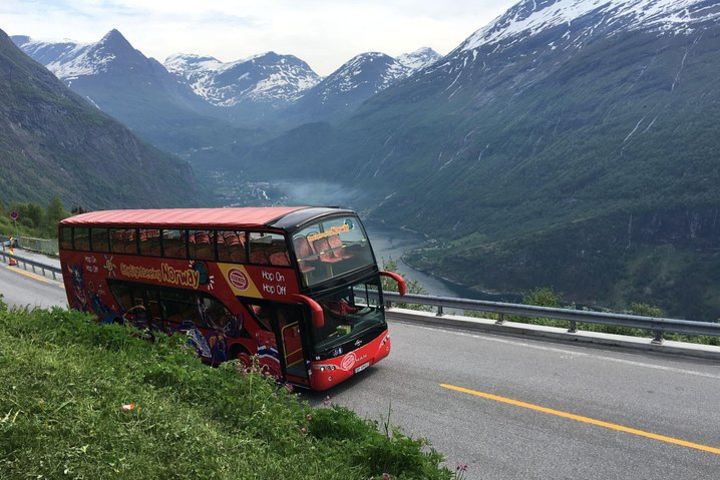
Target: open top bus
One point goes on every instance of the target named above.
(297, 288)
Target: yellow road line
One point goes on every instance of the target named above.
(33, 276)
(579, 418)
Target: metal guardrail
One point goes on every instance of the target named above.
(658, 326)
(39, 245)
(34, 265)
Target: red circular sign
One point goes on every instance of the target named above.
(238, 279)
(348, 361)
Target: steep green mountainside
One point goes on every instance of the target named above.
(139, 92)
(52, 142)
(537, 162)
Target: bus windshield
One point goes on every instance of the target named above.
(349, 312)
(331, 248)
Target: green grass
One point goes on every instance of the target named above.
(64, 380)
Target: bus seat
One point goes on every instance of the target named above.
(258, 256)
(323, 248)
(337, 247)
(302, 247)
(130, 244)
(280, 259)
(202, 238)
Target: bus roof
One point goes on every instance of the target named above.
(184, 217)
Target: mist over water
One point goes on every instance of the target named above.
(317, 193)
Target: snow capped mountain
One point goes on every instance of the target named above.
(372, 71)
(358, 79)
(266, 78)
(419, 59)
(121, 81)
(69, 60)
(582, 17)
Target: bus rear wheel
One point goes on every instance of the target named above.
(242, 355)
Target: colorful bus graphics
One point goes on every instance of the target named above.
(298, 288)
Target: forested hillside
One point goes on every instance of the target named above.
(53, 142)
(571, 144)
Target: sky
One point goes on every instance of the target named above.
(324, 33)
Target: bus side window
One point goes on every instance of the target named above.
(268, 249)
(150, 242)
(66, 238)
(231, 246)
(99, 240)
(174, 243)
(123, 241)
(180, 307)
(82, 238)
(202, 244)
(122, 295)
(117, 242)
(261, 314)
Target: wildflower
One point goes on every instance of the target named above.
(387, 476)
(326, 402)
(308, 417)
(303, 430)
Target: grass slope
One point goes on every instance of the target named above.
(64, 379)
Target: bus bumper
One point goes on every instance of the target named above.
(327, 373)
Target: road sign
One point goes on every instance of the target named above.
(14, 216)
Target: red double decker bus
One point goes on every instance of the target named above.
(297, 287)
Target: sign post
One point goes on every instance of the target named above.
(13, 216)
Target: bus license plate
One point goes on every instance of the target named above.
(362, 367)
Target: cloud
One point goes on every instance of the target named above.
(325, 33)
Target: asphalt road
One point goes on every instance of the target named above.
(21, 288)
(535, 409)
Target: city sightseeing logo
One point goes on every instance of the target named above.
(238, 279)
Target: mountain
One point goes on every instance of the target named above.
(261, 83)
(341, 92)
(419, 59)
(135, 89)
(569, 143)
(53, 142)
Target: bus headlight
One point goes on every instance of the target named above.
(323, 368)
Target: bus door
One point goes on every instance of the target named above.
(289, 325)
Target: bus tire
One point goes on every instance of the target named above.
(240, 353)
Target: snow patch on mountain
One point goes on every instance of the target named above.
(530, 17)
(263, 78)
(419, 59)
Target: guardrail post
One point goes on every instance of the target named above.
(439, 311)
(658, 339)
(501, 319)
(573, 327)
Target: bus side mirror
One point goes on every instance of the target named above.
(318, 316)
(402, 285)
